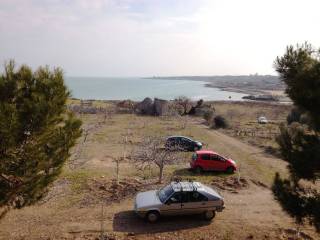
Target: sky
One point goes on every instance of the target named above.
(140, 38)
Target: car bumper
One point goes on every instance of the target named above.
(220, 209)
(138, 212)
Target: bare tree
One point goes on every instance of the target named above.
(151, 152)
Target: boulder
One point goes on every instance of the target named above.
(161, 107)
(145, 107)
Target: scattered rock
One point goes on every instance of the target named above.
(109, 191)
(258, 183)
(230, 184)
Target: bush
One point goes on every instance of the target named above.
(220, 122)
(208, 116)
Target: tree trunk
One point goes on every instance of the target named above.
(160, 173)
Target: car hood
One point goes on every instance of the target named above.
(147, 199)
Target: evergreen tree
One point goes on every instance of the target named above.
(299, 141)
(36, 132)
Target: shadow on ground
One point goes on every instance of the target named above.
(128, 221)
(187, 172)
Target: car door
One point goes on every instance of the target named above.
(172, 206)
(217, 162)
(194, 203)
(205, 162)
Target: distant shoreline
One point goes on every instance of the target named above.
(251, 85)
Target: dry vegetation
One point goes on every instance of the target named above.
(87, 202)
(243, 116)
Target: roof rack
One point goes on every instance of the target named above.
(181, 188)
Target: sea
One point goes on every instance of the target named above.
(107, 88)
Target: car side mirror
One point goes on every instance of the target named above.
(168, 202)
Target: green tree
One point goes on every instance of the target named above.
(36, 132)
(299, 140)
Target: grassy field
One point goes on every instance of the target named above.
(73, 207)
(244, 125)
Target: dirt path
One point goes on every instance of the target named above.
(253, 161)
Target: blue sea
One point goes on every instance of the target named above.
(139, 88)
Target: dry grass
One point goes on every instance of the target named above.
(66, 213)
(244, 126)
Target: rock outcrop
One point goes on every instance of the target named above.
(145, 107)
(161, 107)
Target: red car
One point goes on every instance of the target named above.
(205, 160)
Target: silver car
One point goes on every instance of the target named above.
(179, 198)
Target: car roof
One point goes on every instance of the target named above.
(186, 186)
(206, 152)
(179, 137)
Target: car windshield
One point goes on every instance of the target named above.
(194, 156)
(165, 192)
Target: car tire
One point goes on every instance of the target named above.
(152, 216)
(198, 170)
(209, 215)
(230, 170)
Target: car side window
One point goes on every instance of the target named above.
(217, 158)
(174, 140)
(197, 197)
(184, 141)
(205, 157)
(175, 198)
(184, 197)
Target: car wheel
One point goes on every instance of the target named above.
(198, 170)
(152, 216)
(209, 215)
(230, 170)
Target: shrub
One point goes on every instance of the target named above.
(220, 122)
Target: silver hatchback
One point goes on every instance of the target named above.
(179, 198)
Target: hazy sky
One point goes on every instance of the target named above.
(155, 37)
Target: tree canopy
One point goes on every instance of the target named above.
(299, 140)
(36, 132)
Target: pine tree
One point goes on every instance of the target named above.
(299, 140)
(36, 132)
